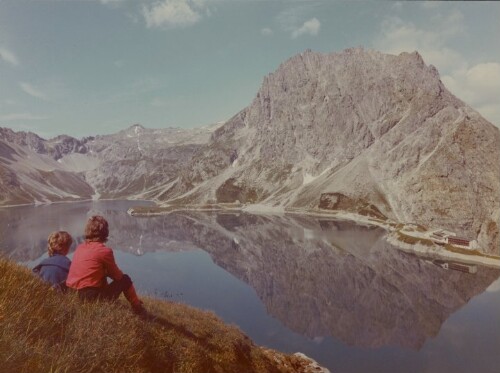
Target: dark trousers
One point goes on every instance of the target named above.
(108, 292)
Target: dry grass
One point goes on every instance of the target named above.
(421, 228)
(414, 240)
(44, 331)
(461, 250)
(341, 202)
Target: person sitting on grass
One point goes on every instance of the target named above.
(93, 262)
(55, 268)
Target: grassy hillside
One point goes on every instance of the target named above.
(44, 331)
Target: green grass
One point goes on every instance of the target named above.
(42, 330)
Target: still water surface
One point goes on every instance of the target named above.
(333, 290)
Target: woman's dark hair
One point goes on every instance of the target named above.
(96, 229)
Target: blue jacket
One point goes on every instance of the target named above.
(54, 270)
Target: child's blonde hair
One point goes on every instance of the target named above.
(59, 243)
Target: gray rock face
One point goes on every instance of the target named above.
(27, 176)
(133, 163)
(63, 145)
(57, 147)
(140, 162)
(379, 129)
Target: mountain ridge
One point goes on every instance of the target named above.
(371, 128)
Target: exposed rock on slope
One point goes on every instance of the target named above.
(57, 147)
(134, 163)
(140, 162)
(29, 177)
(379, 130)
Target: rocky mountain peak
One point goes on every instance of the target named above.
(366, 127)
(22, 138)
(334, 106)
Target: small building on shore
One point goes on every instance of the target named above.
(442, 237)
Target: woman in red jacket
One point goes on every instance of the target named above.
(93, 262)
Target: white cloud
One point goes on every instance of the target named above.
(9, 57)
(310, 27)
(266, 31)
(485, 76)
(32, 91)
(173, 13)
(21, 116)
(479, 86)
(292, 19)
(398, 36)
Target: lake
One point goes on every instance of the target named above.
(334, 290)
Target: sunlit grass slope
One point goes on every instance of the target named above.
(44, 331)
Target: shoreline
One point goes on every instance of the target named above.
(433, 250)
(75, 201)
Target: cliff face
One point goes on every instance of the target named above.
(57, 147)
(27, 176)
(139, 162)
(372, 129)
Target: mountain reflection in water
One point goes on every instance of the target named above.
(318, 276)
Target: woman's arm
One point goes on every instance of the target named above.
(110, 266)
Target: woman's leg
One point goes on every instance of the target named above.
(89, 294)
(113, 290)
(125, 286)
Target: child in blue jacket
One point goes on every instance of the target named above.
(55, 268)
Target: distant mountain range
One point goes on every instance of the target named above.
(358, 130)
(133, 163)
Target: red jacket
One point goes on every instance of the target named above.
(91, 264)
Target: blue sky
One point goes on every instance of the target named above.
(93, 67)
